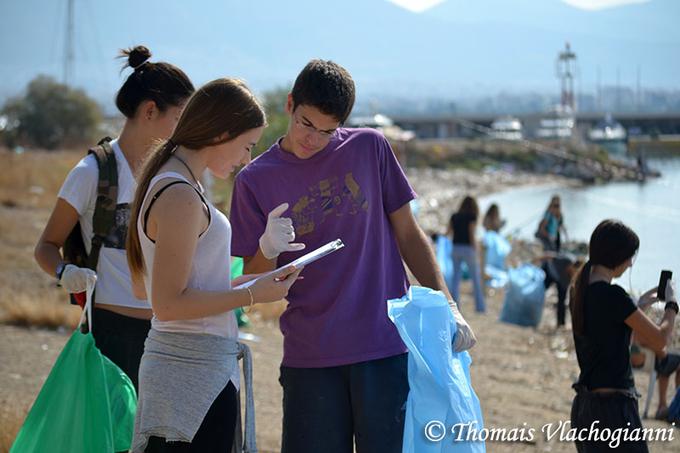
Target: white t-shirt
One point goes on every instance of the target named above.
(114, 286)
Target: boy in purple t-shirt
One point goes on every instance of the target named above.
(344, 371)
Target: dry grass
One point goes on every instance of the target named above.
(34, 178)
(29, 312)
(28, 296)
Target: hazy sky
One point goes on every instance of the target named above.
(418, 6)
(601, 4)
(449, 48)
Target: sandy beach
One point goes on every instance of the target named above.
(522, 376)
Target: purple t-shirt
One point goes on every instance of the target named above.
(337, 314)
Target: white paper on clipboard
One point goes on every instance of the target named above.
(302, 261)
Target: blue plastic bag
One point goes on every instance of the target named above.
(497, 248)
(443, 250)
(524, 296)
(674, 408)
(441, 396)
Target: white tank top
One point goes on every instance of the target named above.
(210, 269)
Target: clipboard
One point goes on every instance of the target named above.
(304, 260)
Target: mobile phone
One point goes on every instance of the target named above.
(663, 281)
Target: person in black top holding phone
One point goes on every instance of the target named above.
(603, 317)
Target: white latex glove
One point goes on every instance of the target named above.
(465, 337)
(279, 234)
(75, 279)
(670, 291)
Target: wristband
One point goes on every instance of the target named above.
(59, 271)
(672, 305)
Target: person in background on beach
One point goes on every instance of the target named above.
(344, 372)
(462, 226)
(551, 226)
(492, 219)
(603, 317)
(179, 254)
(559, 270)
(665, 367)
(492, 243)
(151, 100)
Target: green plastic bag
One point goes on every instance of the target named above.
(237, 271)
(86, 405)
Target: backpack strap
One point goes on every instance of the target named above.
(104, 218)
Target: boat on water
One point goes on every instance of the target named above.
(384, 124)
(607, 130)
(506, 128)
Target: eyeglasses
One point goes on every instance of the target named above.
(325, 135)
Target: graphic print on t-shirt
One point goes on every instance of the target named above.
(116, 240)
(329, 198)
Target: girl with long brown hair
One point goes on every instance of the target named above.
(179, 255)
(463, 225)
(603, 317)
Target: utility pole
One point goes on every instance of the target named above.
(69, 53)
(638, 94)
(618, 89)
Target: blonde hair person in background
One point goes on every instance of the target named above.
(151, 99)
(181, 249)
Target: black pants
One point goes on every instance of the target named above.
(611, 411)
(561, 295)
(328, 409)
(121, 339)
(216, 433)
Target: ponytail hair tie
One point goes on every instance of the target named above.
(136, 68)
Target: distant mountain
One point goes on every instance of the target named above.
(458, 48)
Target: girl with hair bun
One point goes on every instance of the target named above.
(151, 100)
(603, 317)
